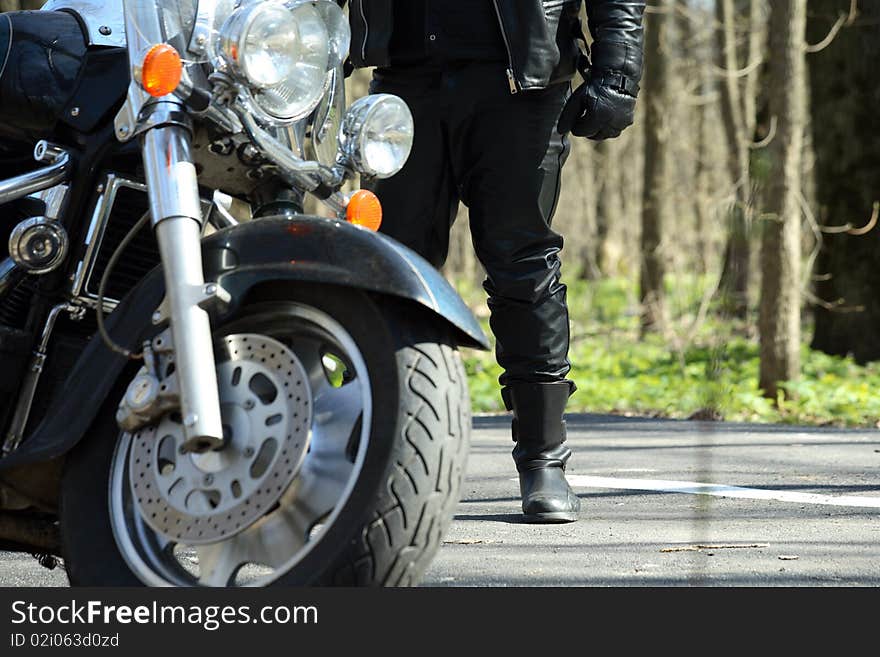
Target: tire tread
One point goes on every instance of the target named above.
(423, 482)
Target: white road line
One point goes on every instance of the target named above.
(720, 490)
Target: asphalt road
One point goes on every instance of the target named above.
(665, 503)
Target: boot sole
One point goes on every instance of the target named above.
(554, 518)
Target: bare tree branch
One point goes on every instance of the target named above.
(839, 305)
(771, 133)
(740, 73)
(817, 234)
(852, 230)
(871, 222)
(842, 20)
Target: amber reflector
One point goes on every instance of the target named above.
(365, 210)
(160, 73)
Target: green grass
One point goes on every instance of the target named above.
(711, 371)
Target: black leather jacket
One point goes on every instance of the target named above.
(544, 38)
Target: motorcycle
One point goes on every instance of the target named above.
(202, 385)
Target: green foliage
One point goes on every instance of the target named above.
(714, 374)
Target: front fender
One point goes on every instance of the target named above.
(335, 252)
(308, 249)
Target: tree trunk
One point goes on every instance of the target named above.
(845, 93)
(608, 210)
(692, 32)
(581, 180)
(779, 320)
(658, 170)
(737, 253)
(756, 36)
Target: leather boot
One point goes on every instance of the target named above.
(540, 454)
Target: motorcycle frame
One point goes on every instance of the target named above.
(285, 250)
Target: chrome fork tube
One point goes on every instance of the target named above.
(177, 219)
(176, 213)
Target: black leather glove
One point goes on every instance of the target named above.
(600, 108)
(604, 105)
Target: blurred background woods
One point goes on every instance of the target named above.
(722, 256)
(12, 5)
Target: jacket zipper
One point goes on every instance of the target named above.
(511, 78)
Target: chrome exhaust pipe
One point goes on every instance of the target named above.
(28, 183)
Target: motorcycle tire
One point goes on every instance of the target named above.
(394, 519)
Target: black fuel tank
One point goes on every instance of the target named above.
(43, 53)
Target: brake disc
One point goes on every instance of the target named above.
(266, 407)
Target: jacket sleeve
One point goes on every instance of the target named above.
(618, 35)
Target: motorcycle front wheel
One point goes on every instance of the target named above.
(357, 489)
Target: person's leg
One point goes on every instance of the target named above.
(508, 158)
(419, 204)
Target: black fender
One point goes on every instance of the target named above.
(306, 249)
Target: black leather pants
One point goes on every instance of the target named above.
(501, 156)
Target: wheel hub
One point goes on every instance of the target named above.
(266, 408)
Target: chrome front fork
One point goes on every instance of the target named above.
(175, 208)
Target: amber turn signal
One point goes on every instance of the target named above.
(161, 70)
(364, 209)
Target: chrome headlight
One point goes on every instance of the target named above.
(338, 29)
(377, 135)
(282, 52)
